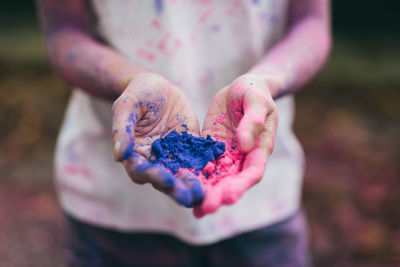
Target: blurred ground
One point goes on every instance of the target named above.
(347, 120)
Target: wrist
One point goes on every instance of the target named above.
(272, 82)
(126, 78)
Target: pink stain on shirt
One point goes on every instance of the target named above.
(204, 16)
(236, 5)
(145, 54)
(205, 2)
(205, 79)
(149, 42)
(77, 171)
(168, 45)
(155, 23)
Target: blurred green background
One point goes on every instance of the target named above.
(348, 120)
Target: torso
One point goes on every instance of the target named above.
(201, 46)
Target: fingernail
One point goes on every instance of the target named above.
(117, 147)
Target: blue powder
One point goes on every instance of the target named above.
(186, 151)
(159, 6)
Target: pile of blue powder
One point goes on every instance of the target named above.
(185, 150)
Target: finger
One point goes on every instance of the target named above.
(142, 171)
(126, 112)
(254, 163)
(197, 212)
(229, 190)
(194, 185)
(253, 170)
(266, 139)
(212, 201)
(255, 110)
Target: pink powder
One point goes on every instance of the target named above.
(230, 163)
(227, 166)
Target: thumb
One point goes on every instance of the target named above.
(126, 113)
(255, 110)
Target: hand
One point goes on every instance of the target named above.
(149, 108)
(242, 114)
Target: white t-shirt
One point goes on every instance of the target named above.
(200, 46)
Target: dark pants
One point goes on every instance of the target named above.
(281, 244)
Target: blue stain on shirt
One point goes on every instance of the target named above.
(215, 28)
(159, 6)
(255, 2)
(186, 151)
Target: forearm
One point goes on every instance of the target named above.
(297, 57)
(86, 63)
(76, 55)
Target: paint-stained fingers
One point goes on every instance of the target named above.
(229, 190)
(197, 212)
(126, 113)
(212, 201)
(253, 170)
(266, 139)
(194, 185)
(254, 163)
(142, 171)
(256, 107)
(224, 193)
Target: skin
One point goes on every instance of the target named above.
(148, 109)
(251, 116)
(248, 101)
(146, 105)
(250, 119)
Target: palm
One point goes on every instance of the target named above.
(149, 108)
(160, 119)
(244, 117)
(221, 120)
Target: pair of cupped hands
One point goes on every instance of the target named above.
(151, 106)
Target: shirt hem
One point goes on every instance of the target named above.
(146, 227)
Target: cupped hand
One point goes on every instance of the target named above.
(149, 108)
(243, 115)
